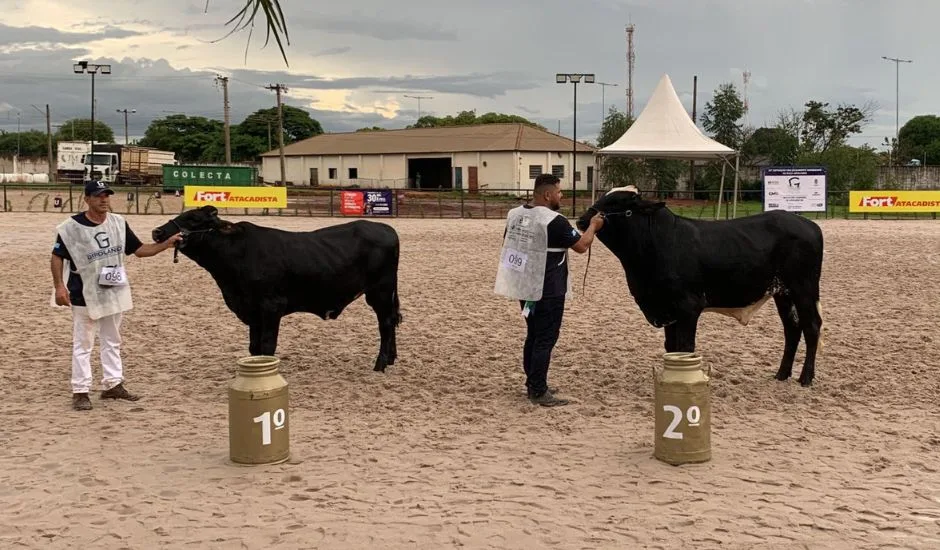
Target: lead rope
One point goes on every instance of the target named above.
(588, 264)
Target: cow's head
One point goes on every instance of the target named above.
(618, 206)
(200, 220)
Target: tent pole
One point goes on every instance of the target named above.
(734, 209)
(721, 189)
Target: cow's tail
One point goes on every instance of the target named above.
(822, 330)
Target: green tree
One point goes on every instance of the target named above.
(617, 171)
(79, 129)
(193, 139)
(372, 129)
(823, 128)
(918, 136)
(470, 118)
(31, 143)
(775, 144)
(721, 116)
(298, 124)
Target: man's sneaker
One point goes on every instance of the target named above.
(119, 392)
(548, 399)
(80, 402)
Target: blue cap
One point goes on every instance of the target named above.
(95, 188)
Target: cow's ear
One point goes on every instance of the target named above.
(211, 210)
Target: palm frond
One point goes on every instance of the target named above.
(274, 23)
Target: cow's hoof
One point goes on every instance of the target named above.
(379, 368)
(782, 377)
(806, 383)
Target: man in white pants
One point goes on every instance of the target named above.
(94, 243)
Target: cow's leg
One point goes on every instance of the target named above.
(263, 331)
(254, 337)
(685, 333)
(383, 303)
(791, 335)
(670, 332)
(811, 323)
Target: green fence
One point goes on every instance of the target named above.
(411, 203)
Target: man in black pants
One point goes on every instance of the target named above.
(539, 235)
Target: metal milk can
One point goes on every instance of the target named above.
(683, 410)
(258, 426)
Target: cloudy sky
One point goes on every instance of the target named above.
(353, 62)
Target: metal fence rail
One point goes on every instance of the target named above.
(411, 203)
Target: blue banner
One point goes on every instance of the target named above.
(377, 203)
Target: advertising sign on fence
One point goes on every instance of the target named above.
(364, 202)
(794, 188)
(894, 201)
(350, 203)
(235, 197)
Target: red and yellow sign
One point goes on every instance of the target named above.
(235, 197)
(894, 201)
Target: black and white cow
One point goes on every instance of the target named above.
(677, 268)
(266, 273)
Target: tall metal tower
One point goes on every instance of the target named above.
(631, 59)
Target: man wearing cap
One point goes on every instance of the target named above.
(94, 243)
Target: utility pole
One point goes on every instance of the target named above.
(225, 108)
(125, 111)
(631, 60)
(419, 98)
(49, 144)
(897, 100)
(692, 162)
(280, 127)
(48, 140)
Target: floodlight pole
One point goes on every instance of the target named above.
(574, 78)
(897, 97)
(92, 69)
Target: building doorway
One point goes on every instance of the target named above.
(430, 173)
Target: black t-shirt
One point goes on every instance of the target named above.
(74, 284)
(561, 234)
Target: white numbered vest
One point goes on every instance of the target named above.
(521, 271)
(98, 256)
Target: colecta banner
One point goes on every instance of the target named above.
(235, 197)
(894, 201)
(361, 202)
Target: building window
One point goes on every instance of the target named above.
(577, 176)
(535, 170)
(332, 173)
(353, 173)
(590, 175)
(558, 170)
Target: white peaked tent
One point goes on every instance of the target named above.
(664, 130)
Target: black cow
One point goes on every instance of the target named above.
(677, 268)
(266, 273)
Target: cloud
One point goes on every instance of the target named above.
(332, 51)
(371, 26)
(33, 35)
(483, 85)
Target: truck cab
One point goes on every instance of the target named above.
(101, 166)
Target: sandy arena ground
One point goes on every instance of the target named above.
(444, 450)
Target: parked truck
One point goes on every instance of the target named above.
(70, 160)
(177, 176)
(127, 164)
